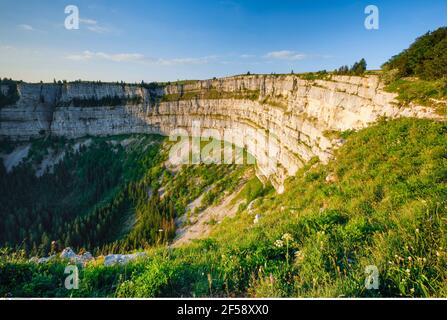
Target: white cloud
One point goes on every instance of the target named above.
(88, 21)
(286, 55)
(175, 61)
(26, 27)
(120, 57)
(94, 26)
(98, 29)
(137, 58)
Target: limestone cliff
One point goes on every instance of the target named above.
(297, 112)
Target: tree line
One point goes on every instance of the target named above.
(426, 58)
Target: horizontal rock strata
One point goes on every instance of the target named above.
(292, 114)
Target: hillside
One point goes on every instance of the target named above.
(384, 206)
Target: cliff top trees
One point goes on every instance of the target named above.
(426, 58)
(357, 69)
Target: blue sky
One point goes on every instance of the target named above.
(165, 40)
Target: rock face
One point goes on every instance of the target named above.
(113, 259)
(287, 113)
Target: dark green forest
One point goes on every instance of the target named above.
(101, 197)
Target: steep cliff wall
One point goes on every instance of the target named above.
(297, 113)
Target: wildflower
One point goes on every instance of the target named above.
(412, 290)
(437, 253)
(408, 271)
(279, 243)
(287, 237)
(417, 230)
(410, 258)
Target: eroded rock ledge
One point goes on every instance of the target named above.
(298, 112)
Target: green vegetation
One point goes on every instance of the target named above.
(102, 196)
(423, 92)
(319, 75)
(212, 94)
(386, 206)
(426, 58)
(77, 203)
(357, 69)
(105, 101)
(161, 85)
(418, 74)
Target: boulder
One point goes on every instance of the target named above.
(68, 254)
(42, 260)
(87, 256)
(113, 259)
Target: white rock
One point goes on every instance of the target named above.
(45, 260)
(42, 260)
(113, 259)
(68, 253)
(87, 256)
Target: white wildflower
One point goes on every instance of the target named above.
(279, 243)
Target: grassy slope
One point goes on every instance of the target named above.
(386, 208)
(431, 93)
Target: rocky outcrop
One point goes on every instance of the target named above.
(120, 259)
(83, 259)
(292, 114)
